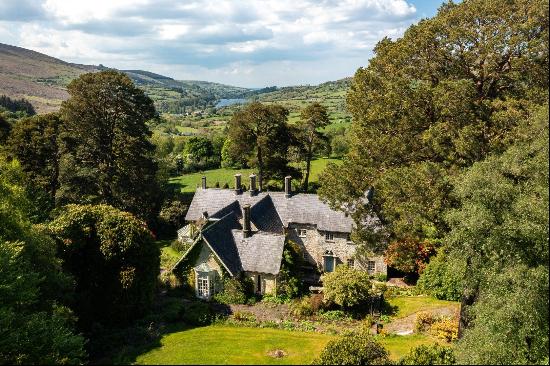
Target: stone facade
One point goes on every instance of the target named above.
(318, 245)
(207, 267)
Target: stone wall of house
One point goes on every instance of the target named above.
(206, 256)
(315, 245)
(269, 282)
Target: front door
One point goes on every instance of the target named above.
(329, 264)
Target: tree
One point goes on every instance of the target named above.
(260, 132)
(470, 82)
(312, 118)
(16, 105)
(346, 286)
(409, 255)
(35, 325)
(34, 142)
(5, 129)
(357, 348)
(113, 258)
(500, 229)
(107, 156)
(433, 354)
(198, 148)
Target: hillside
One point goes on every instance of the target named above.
(37, 77)
(43, 79)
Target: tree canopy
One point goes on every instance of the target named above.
(106, 154)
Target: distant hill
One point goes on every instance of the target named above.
(37, 77)
(43, 79)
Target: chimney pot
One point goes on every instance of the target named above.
(203, 182)
(288, 188)
(252, 184)
(238, 188)
(247, 231)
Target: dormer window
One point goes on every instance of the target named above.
(329, 236)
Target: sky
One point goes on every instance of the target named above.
(252, 43)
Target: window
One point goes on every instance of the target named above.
(203, 287)
(371, 266)
(302, 233)
(351, 263)
(329, 236)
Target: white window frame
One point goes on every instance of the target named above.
(369, 270)
(329, 236)
(302, 233)
(204, 288)
(350, 262)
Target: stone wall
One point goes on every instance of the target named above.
(315, 245)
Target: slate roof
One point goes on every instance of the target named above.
(262, 252)
(299, 208)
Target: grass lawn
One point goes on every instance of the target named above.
(398, 346)
(235, 345)
(189, 182)
(408, 305)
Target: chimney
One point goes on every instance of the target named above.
(288, 188)
(252, 184)
(203, 182)
(238, 188)
(246, 221)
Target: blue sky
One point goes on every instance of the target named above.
(245, 43)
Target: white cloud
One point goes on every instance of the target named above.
(267, 42)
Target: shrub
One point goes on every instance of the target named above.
(442, 277)
(445, 328)
(409, 255)
(334, 315)
(423, 321)
(358, 348)
(236, 290)
(301, 307)
(382, 277)
(198, 313)
(172, 310)
(169, 281)
(346, 286)
(244, 316)
(433, 354)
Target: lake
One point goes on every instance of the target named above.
(227, 102)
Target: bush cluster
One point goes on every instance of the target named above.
(357, 348)
(433, 354)
(236, 290)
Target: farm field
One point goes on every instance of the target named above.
(190, 182)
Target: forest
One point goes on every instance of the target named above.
(445, 130)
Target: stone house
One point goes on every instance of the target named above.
(245, 232)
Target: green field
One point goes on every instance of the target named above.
(190, 182)
(234, 345)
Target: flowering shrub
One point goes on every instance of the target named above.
(409, 255)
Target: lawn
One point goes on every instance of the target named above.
(190, 182)
(398, 346)
(408, 305)
(235, 345)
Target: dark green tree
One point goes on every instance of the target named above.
(5, 129)
(35, 325)
(312, 118)
(261, 133)
(113, 258)
(445, 95)
(107, 156)
(198, 148)
(34, 142)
